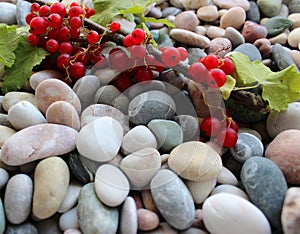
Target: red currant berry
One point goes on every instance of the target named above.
(93, 37)
(227, 66)
(210, 61)
(137, 51)
(210, 126)
(198, 72)
(228, 138)
(75, 11)
(65, 47)
(119, 60)
(52, 46)
(75, 33)
(63, 61)
(38, 26)
(55, 20)
(81, 56)
(143, 74)
(150, 59)
(123, 82)
(53, 34)
(44, 11)
(183, 53)
(100, 61)
(74, 4)
(32, 39)
(138, 35)
(170, 57)
(75, 22)
(77, 70)
(90, 12)
(128, 41)
(65, 34)
(29, 17)
(219, 76)
(232, 124)
(58, 8)
(115, 26)
(35, 7)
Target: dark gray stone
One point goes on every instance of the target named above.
(25, 228)
(151, 105)
(247, 146)
(49, 226)
(266, 186)
(253, 14)
(173, 199)
(277, 25)
(170, 11)
(250, 50)
(195, 54)
(294, 6)
(281, 57)
(23, 8)
(93, 216)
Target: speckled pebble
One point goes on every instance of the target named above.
(235, 37)
(187, 20)
(215, 32)
(277, 25)
(11, 98)
(253, 13)
(219, 46)
(189, 38)
(252, 31)
(208, 13)
(24, 228)
(235, 17)
(294, 38)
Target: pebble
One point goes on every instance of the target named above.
(235, 37)
(200, 190)
(24, 228)
(250, 50)
(264, 46)
(128, 217)
(277, 122)
(266, 186)
(9, 11)
(147, 220)
(49, 226)
(269, 8)
(178, 210)
(5, 134)
(219, 46)
(228, 212)
(4, 176)
(280, 39)
(290, 214)
(214, 32)
(253, 13)
(18, 198)
(93, 215)
(170, 11)
(13, 98)
(2, 217)
(284, 151)
(193, 231)
(195, 4)
(64, 113)
(106, 95)
(228, 188)
(208, 13)
(293, 38)
(51, 180)
(252, 31)
(295, 54)
(101, 139)
(71, 197)
(294, 6)
(24, 114)
(281, 57)
(247, 146)
(72, 231)
(235, 17)
(4, 121)
(155, 12)
(142, 87)
(111, 185)
(141, 166)
(189, 126)
(85, 89)
(38, 142)
(69, 220)
(148, 201)
(227, 177)
(187, 20)
(228, 4)
(295, 18)
(23, 8)
(189, 38)
(277, 25)
(52, 90)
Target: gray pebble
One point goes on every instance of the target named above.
(195, 54)
(253, 14)
(2, 217)
(281, 57)
(23, 8)
(266, 186)
(78, 169)
(164, 40)
(294, 6)
(250, 50)
(142, 87)
(190, 127)
(8, 13)
(24, 228)
(4, 176)
(247, 146)
(170, 11)
(235, 37)
(49, 226)
(106, 95)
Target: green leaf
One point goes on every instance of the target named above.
(164, 21)
(27, 57)
(9, 41)
(133, 10)
(228, 87)
(107, 9)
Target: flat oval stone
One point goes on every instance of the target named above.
(111, 185)
(4, 121)
(64, 113)
(277, 25)
(284, 151)
(208, 13)
(252, 31)
(228, 4)
(138, 138)
(293, 38)
(100, 110)
(37, 142)
(147, 220)
(69, 220)
(101, 139)
(9, 11)
(5, 134)
(52, 90)
(167, 133)
(253, 13)
(227, 177)
(295, 18)
(93, 215)
(24, 114)
(85, 89)
(51, 180)
(235, 37)
(189, 38)
(281, 57)
(228, 212)
(37, 77)
(269, 8)
(187, 20)
(266, 187)
(290, 214)
(235, 17)
(228, 188)
(12, 98)
(24, 228)
(72, 231)
(4, 176)
(141, 166)
(170, 11)
(189, 126)
(250, 50)
(214, 32)
(18, 198)
(145, 86)
(71, 197)
(195, 4)
(128, 217)
(219, 46)
(106, 95)
(2, 217)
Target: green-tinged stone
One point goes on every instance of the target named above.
(269, 8)
(2, 217)
(168, 133)
(164, 40)
(93, 215)
(277, 25)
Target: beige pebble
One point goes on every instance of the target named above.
(219, 46)
(194, 4)
(201, 30)
(62, 112)
(13, 98)
(187, 20)
(294, 37)
(215, 32)
(189, 38)
(208, 13)
(222, 12)
(280, 38)
(264, 46)
(295, 18)
(295, 54)
(39, 76)
(5, 133)
(147, 220)
(227, 4)
(234, 17)
(227, 177)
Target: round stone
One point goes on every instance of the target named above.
(195, 4)
(9, 11)
(4, 176)
(281, 57)
(214, 32)
(178, 209)
(250, 50)
(23, 8)
(128, 217)
(253, 13)
(252, 31)
(12, 98)
(101, 139)
(219, 46)
(266, 187)
(170, 11)
(51, 180)
(228, 4)
(295, 18)
(293, 38)
(264, 46)
(69, 220)
(228, 188)
(5, 134)
(187, 20)
(24, 228)
(269, 8)
(37, 77)
(284, 151)
(189, 126)
(111, 185)
(235, 37)
(189, 38)
(235, 17)
(294, 6)
(147, 220)
(228, 212)
(18, 198)
(106, 95)
(208, 13)
(71, 197)
(24, 114)
(227, 177)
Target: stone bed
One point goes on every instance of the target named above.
(63, 167)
